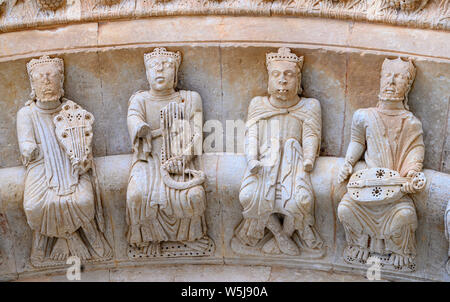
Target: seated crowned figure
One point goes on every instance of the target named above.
(283, 133)
(62, 198)
(378, 216)
(166, 200)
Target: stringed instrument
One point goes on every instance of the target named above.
(381, 185)
(73, 127)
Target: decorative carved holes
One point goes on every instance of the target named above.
(376, 192)
(380, 173)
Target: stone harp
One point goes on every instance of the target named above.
(74, 132)
(177, 144)
(381, 185)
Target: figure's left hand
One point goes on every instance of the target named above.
(174, 166)
(408, 186)
(308, 165)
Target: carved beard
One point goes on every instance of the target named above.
(53, 97)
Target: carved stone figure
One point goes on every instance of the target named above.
(166, 200)
(379, 217)
(62, 198)
(447, 233)
(283, 133)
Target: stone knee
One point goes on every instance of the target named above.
(303, 202)
(246, 195)
(403, 217)
(134, 200)
(197, 200)
(347, 217)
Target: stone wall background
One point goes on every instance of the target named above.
(227, 77)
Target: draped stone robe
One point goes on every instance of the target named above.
(155, 211)
(393, 140)
(281, 185)
(57, 201)
(447, 227)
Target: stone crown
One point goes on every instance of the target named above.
(284, 54)
(162, 52)
(44, 60)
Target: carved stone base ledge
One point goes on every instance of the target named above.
(173, 249)
(305, 253)
(223, 214)
(383, 260)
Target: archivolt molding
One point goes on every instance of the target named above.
(17, 14)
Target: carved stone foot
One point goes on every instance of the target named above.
(38, 250)
(77, 247)
(356, 254)
(400, 261)
(60, 251)
(198, 245)
(448, 266)
(154, 248)
(271, 247)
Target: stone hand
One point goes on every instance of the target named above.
(308, 165)
(174, 165)
(30, 152)
(143, 131)
(409, 187)
(254, 166)
(345, 172)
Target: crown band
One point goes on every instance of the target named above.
(284, 54)
(162, 52)
(44, 60)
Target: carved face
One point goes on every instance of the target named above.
(284, 79)
(161, 73)
(394, 82)
(47, 82)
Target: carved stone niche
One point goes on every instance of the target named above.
(166, 200)
(61, 200)
(276, 192)
(378, 214)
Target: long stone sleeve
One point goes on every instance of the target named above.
(135, 121)
(25, 136)
(312, 131)
(358, 139)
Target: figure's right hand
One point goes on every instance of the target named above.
(254, 165)
(345, 172)
(143, 131)
(30, 152)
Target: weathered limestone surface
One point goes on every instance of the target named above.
(223, 60)
(223, 213)
(414, 13)
(203, 273)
